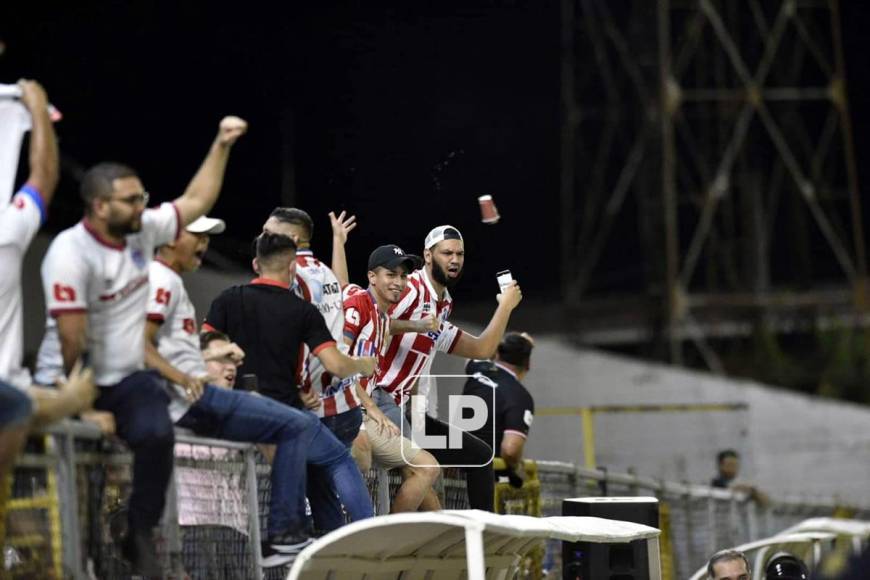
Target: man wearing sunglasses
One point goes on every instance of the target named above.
(95, 277)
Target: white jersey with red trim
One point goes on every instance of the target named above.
(367, 326)
(410, 355)
(83, 272)
(19, 222)
(178, 339)
(316, 283)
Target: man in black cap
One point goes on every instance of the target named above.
(366, 327)
(511, 412)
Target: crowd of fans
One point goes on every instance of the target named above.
(326, 375)
(315, 369)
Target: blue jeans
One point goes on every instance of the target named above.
(15, 406)
(325, 506)
(300, 438)
(141, 408)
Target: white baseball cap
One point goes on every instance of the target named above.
(441, 233)
(206, 225)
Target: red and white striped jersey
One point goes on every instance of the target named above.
(367, 326)
(410, 355)
(317, 284)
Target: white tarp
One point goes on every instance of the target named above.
(452, 544)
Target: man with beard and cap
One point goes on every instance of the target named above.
(95, 279)
(409, 356)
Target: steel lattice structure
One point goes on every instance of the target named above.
(717, 133)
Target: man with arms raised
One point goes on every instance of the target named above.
(21, 405)
(95, 277)
(409, 356)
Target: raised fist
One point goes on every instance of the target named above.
(231, 128)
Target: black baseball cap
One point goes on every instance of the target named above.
(391, 256)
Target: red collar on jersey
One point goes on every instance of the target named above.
(97, 236)
(270, 282)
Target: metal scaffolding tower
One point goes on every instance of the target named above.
(708, 171)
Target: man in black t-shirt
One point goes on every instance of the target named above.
(514, 409)
(270, 324)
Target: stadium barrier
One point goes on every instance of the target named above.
(67, 509)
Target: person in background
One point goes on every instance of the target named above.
(728, 466)
(510, 406)
(785, 566)
(728, 565)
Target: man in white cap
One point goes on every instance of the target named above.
(172, 347)
(403, 370)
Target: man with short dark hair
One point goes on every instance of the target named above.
(95, 279)
(728, 565)
(510, 409)
(728, 465)
(271, 325)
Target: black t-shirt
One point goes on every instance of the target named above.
(514, 407)
(270, 324)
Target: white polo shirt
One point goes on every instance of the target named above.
(83, 272)
(19, 222)
(178, 337)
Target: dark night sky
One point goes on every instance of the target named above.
(379, 99)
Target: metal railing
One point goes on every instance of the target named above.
(66, 511)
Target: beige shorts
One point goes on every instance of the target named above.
(389, 451)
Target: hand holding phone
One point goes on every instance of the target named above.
(504, 279)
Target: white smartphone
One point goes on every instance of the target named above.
(504, 279)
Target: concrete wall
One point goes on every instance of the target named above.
(791, 444)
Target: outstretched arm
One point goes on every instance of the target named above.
(485, 345)
(343, 366)
(44, 166)
(202, 191)
(341, 227)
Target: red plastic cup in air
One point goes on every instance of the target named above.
(488, 211)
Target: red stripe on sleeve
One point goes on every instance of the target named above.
(55, 312)
(321, 347)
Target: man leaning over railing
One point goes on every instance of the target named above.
(510, 408)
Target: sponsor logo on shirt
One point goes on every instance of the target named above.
(528, 418)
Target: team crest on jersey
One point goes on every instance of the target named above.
(138, 257)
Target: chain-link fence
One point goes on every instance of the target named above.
(66, 510)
